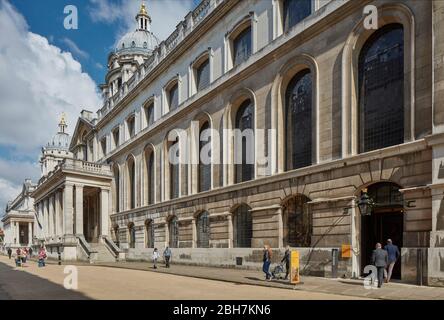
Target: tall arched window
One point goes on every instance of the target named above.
(131, 183)
(298, 121)
(203, 230)
(381, 89)
(204, 164)
(174, 170)
(149, 158)
(244, 144)
(295, 11)
(149, 234)
(132, 235)
(117, 187)
(242, 227)
(173, 231)
(297, 222)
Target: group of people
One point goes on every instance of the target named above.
(167, 254)
(22, 254)
(267, 255)
(384, 260)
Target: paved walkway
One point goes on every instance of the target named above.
(102, 282)
(345, 287)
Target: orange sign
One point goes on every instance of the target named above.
(294, 267)
(346, 251)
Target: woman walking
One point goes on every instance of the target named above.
(155, 258)
(267, 262)
(42, 257)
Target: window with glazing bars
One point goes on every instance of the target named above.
(173, 232)
(131, 126)
(116, 134)
(204, 168)
(149, 113)
(174, 172)
(245, 121)
(298, 121)
(173, 97)
(295, 11)
(203, 75)
(381, 89)
(203, 230)
(150, 171)
(242, 46)
(150, 234)
(297, 222)
(243, 227)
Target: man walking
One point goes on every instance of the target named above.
(167, 256)
(286, 260)
(379, 260)
(9, 253)
(393, 255)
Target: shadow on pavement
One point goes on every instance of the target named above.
(16, 284)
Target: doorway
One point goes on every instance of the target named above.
(385, 222)
(91, 214)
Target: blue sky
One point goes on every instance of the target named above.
(46, 70)
(93, 38)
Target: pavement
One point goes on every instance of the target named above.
(337, 287)
(104, 282)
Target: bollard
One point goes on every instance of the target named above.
(419, 263)
(59, 256)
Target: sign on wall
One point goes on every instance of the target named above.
(346, 251)
(294, 267)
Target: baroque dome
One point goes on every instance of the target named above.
(61, 140)
(139, 41)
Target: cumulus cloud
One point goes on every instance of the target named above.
(38, 82)
(165, 14)
(75, 49)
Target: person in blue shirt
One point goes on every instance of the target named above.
(393, 256)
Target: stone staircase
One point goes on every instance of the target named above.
(102, 254)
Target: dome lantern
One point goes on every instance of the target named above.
(143, 19)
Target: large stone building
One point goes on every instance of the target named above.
(339, 111)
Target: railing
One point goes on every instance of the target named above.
(191, 21)
(85, 246)
(87, 167)
(112, 246)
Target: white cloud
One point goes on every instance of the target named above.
(38, 82)
(75, 49)
(165, 14)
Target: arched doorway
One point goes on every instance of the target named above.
(385, 222)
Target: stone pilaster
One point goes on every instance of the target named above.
(104, 211)
(79, 209)
(68, 212)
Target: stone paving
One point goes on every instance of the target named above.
(346, 287)
(102, 282)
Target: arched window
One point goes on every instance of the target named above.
(117, 187)
(132, 235)
(173, 231)
(131, 183)
(381, 89)
(243, 227)
(149, 234)
(203, 230)
(242, 46)
(298, 121)
(204, 164)
(174, 170)
(295, 11)
(150, 176)
(244, 144)
(297, 222)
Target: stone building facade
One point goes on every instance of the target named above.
(337, 110)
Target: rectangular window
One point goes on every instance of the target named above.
(116, 134)
(242, 47)
(103, 146)
(173, 97)
(295, 11)
(149, 113)
(131, 126)
(203, 75)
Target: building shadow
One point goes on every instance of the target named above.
(17, 284)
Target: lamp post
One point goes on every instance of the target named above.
(365, 204)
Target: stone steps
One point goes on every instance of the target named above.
(102, 253)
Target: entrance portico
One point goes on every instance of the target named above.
(72, 207)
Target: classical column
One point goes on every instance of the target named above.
(104, 211)
(51, 216)
(16, 233)
(45, 218)
(79, 209)
(68, 209)
(57, 214)
(194, 242)
(230, 230)
(280, 228)
(167, 234)
(29, 234)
